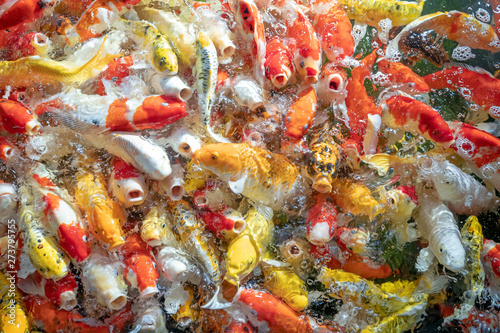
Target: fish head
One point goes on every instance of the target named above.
(220, 158)
(451, 253)
(279, 72)
(164, 59)
(241, 259)
(436, 129)
(307, 66)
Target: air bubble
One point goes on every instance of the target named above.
(483, 15)
(462, 53)
(495, 111)
(375, 45)
(465, 92)
(381, 52)
(385, 25)
(488, 171)
(465, 147)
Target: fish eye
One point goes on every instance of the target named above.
(435, 132)
(267, 69)
(214, 156)
(302, 64)
(441, 250)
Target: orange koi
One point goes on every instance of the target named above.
(265, 311)
(279, 63)
(401, 75)
(300, 117)
(140, 270)
(116, 71)
(21, 11)
(56, 320)
(479, 149)
(477, 86)
(63, 292)
(304, 44)
(415, 116)
(491, 255)
(253, 28)
(332, 83)
(96, 114)
(16, 118)
(237, 327)
(334, 30)
(7, 149)
(321, 221)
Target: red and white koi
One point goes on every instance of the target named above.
(490, 257)
(300, 116)
(126, 184)
(116, 71)
(63, 216)
(140, 266)
(16, 118)
(321, 221)
(279, 63)
(334, 30)
(475, 85)
(30, 44)
(406, 113)
(63, 292)
(480, 150)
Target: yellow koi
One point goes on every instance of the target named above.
(156, 228)
(22, 72)
(104, 215)
(371, 12)
(189, 312)
(256, 173)
(44, 253)
(383, 162)
(195, 177)
(324, 160)
(355, 198)
(13, 316)
(247, 249)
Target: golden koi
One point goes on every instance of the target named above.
(13, 315)
(355, 198)
(156, 228)
(256, 173)
(25, 71)
(188, 312)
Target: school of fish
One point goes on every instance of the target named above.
(249, 166)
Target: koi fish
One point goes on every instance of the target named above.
(472, 238)
(57, 320)
(63, 217)
(248, 93)
(415, 116)
(247, 249)
(383, 162)
(30, 44)
(334, 30)
(182, 40)
(460, 191)
(188, 312)
(171, 86)
(13, 315)
(401, 75)
(402, 202)
(418, 44)
(8, 199)
(279, 63)
(184, 142)
(300, 117)
(252, 25)
(305, 44)
(43, 251)
(321, 221)
(266, 312)
(16, 118)
(353, 239)
(97, 114)
(116, 71)
(475, 85)
(173, 185)
(296, 252)
(23, 72)
(490, 257)
(140, 266)
(283, 283)
(19, 12)
(479, 149)
(355, 198)
(256, 173)
(206, 78)
(150, 318)
(437, 224)
(156, 228)
(173, 263)
(104, 215)
(127, 185)
(324, 160)
(105, 279)
(63, 292)
(190, 233)
(455, 25)
(371, 12)
(332, 83)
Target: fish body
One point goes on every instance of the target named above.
(371, 12)
(105, 216)
(247, 249)
(256, 173)
(19, 12)
(252, 25)
(24, 71)
(140, 266)
(63, 216)
(420, 43)
(477, 86)
(417, 117)
(333, 27)
(16, 118)
(63, 292)
(321, 221)
(355, 198)
(279, 63)
(13, 315)
(300, 117)
(116, 71)
(437, 224)
(479, 149)
(42, 249)
(324, 160)
(401, 75)
(127, 184)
